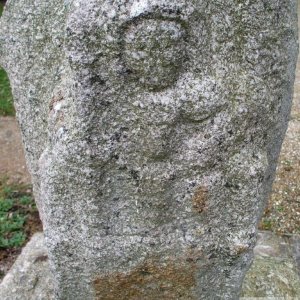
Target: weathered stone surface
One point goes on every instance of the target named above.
(152, 130)
(273, 275)
(30, 277)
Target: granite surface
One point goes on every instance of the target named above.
(152, 131)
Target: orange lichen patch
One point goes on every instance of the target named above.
(173, 279)
(200, 199)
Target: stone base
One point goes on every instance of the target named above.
(29, 278)
(274, 275)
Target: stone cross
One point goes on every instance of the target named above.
(152, 130)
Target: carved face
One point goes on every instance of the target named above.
(154, 50)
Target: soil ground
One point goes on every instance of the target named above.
(12, 160)
(282, 214)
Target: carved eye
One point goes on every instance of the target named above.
(154, 51)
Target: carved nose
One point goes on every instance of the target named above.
(154, 52)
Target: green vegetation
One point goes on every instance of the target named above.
(16, 205)
(266, 224)
(6, 101)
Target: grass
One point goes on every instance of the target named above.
(266, 224)
(16, 207)
(6, 100)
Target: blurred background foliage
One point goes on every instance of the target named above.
(6, 100)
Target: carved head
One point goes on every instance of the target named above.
(154, 51)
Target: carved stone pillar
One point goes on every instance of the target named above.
(152, 131)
